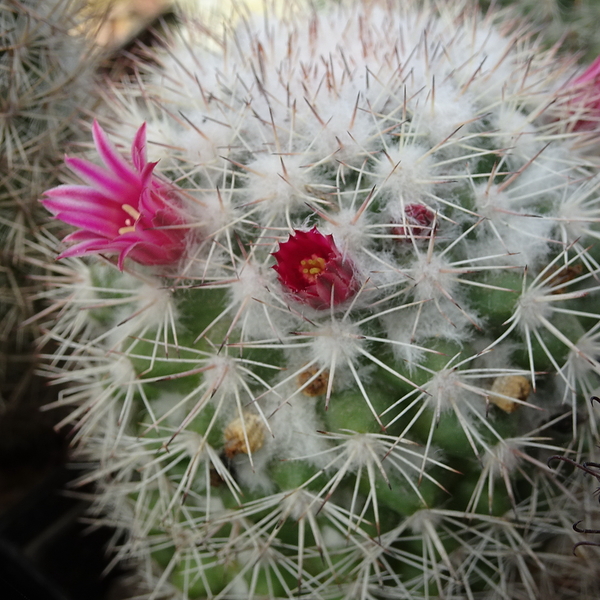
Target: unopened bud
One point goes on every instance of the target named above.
(318, 385)
(245, 435)
(506, 387)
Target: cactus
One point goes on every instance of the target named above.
(331, 304)
(46, 74)
(46, 82)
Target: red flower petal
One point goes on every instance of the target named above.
(310, 267)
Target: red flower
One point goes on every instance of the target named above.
(310, 266)
(418, 222)
(124, 209)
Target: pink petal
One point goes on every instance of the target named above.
(146, 173)
(98, 245)
(82, 236)
(590, 73)
(100, 209)
(123, 254)
(83, 192)
(111, 158)
(88, 208)
(98, 177)
(105, 228)
(89, 246)
(138, 148)
(152, 254)
(152, 202)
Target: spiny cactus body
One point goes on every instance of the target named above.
(325, 346)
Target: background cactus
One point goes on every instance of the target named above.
(47, 85)
(570, 22)
(46, 78)
(47, 72)
(370, 418)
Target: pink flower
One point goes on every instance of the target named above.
(586, 96)
(418, 222)
(310, 266)
(124, 209)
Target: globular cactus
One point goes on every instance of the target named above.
(324, 323)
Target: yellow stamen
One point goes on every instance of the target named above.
(132, 212)
(312, 267)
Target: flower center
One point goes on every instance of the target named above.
(129, 223)
(312, 267)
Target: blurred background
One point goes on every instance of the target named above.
(576, 23)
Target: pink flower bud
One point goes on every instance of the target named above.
(310, 266)
(417, 223)
(124, 209)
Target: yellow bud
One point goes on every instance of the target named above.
(318, 386)
(513, 386)
(245, 435)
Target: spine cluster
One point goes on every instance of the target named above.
(324, 323)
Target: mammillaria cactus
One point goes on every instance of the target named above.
(368, 318)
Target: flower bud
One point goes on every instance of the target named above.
(244, 436)
(509, 386)
(417, 222)
(313, 381)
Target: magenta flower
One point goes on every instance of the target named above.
(586, 94)
(418, 222)
(310, 266)
(124, 209)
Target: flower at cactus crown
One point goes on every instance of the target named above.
(125, 209)
(586, 94)
(310, 266)
(418, 222)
